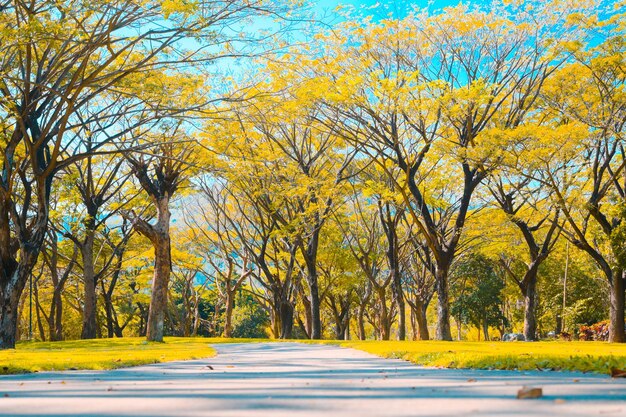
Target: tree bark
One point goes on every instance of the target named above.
(422, 323)
(228, 313)
(9, 306)
(530, 307)
(316, 320)
(443, 304)
(286, 320)
(616, 314)
(162, 270)
(361, 321)
(486, 330)
(89, 279)
(385, 321)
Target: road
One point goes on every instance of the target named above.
(291, 379)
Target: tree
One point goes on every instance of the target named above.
(479, 301)
(512, 198)
(160, 175)
(585, 104)
(99, 184)
(364, 235)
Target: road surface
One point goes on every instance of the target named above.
(291, 379)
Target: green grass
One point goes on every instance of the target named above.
(100, 354)
(597, 357)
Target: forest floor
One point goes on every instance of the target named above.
(302, 380)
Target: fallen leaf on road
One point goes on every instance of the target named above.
(110, 389)
(471, 380)
(618, 373)
(529, 392)
(6, 395)
(576, 380)
(230, 366)
(209, 366)
(560, 401)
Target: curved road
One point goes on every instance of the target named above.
(291, 379)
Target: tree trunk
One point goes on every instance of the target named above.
(56, 316)
(443, 304)
(401, 314)
(108, 310)
(162, 269)
(422, 323)
(286, 320)
(308, 309)
(385, 322)
(361, 321)
(486, 330)
(228, 314)
(9, 306)
(616, 314)
(196, 316)
(530, 306)
(89, 278)
(316, 320)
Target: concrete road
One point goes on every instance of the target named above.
(290, 379)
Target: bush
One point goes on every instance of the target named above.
(249, 319)
(597, 331)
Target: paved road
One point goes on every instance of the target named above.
(290, 379)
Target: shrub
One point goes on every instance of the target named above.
(597, 331)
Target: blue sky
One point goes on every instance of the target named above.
(386, 6)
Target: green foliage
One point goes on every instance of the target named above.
(250, 320)
(480, 293)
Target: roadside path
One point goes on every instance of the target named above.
(291, 379)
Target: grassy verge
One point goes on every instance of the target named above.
(99, 354)
(597, 357)
(116, 353)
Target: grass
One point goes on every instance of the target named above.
(597, 357)
(99, 354)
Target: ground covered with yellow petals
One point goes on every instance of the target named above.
(100, 354)
(551, 355)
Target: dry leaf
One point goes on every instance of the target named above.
(529, 392)
(560, 401)
(471, 380)
(618, 373)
